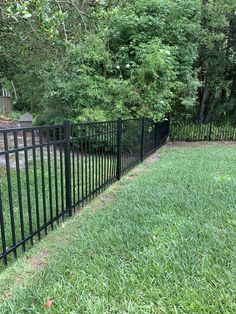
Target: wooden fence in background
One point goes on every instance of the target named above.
(5, 104)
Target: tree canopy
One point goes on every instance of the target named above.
(103, 59)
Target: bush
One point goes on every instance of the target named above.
(49, 118)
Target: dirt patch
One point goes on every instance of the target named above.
(6, 295)
(200, 144)
(38, 261)
(35, 263)
(106, 198)
(151, 159)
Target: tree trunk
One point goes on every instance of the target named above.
(232, 98)
(205, 97)
(231, 47)
(204, 89)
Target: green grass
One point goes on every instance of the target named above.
(166, 244)
(58, 203)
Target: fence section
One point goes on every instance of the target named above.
(130, 131)
(210, 130)
(92, 160)
(47, 172)
(31, 168)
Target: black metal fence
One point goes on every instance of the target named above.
(48, 172)
(211, 129)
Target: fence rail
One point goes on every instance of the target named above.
(48, 172)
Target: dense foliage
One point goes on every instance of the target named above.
(100, 59)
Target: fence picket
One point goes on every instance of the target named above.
(191, 129)
(50, 170)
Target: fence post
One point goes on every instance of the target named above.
(119, 139)
(142, 138)
(67, 166)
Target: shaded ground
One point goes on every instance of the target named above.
(201, 144)
(7, 124)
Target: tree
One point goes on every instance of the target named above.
(102, 59)
(216, 59)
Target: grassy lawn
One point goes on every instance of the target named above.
(49, 206)
(165, 244)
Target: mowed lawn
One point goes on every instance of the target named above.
(165, 244)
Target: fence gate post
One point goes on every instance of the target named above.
(119, 139)
(142, 138)
(67, 166)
